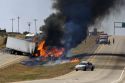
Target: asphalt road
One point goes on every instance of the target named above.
(8, 59)
(109, 68)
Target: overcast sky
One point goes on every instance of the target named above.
(116, 16)
(27, 10)
(107, 24)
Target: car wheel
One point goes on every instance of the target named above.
(92, 69)
(84, 69)
(76, 69)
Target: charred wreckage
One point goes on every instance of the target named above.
(31, 47)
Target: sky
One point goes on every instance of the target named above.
(27, 10)
(115, 16)
(107, 24)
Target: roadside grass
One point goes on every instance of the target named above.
(18, 72)
(20, 36)
(86, 46)
(2, 41)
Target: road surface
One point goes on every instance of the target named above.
(8, 59)
(109, 68)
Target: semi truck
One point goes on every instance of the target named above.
(103, 38)
(19, 46)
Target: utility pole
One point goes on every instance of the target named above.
(18, 23)
(12, 23)
(29, 24)
(35, 25)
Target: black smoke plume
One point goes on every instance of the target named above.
(69, 26)
(53, 29)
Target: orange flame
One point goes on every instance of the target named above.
(55, 52)
(75, 60)
(42, 49)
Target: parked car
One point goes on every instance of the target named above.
(84, 65)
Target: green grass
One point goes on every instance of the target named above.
(18, 72)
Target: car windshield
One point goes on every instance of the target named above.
(83, 64)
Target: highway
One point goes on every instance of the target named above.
(8, 59)
(109, 68)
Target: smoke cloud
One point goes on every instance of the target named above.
(69, 26)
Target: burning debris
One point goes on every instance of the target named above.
(42, 49)
(75, 60)
(45, 51)
(68, 27)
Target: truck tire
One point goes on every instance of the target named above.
(76, 69)
(12, 52)
(92, 69)
(16, 53)
(85, 69)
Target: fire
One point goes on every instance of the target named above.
(57, 52)
(75, 60)
(42, 49)
(53, 52)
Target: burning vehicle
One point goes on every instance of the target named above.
(42, 54)
(19, 46)
(38, 50)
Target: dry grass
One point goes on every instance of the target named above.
(20, 36)
(18, 72)
(2, 41)
(85, 47)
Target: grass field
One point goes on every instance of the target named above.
(85, 46)
(18, 72)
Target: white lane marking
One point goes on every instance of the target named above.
(120, 78)
(91, 59)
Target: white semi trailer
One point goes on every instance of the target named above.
(20, 46)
